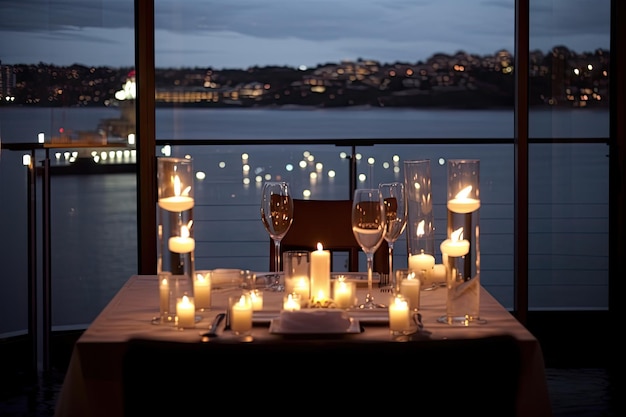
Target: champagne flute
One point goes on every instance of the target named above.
(395, 214)
(277, 216)
(368, 226)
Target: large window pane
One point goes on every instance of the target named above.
(568, 182)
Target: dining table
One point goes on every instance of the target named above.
(93, 384)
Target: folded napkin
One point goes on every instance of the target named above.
(223, 276)
(314, 320)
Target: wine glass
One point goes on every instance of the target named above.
(368, 226)
(395, 215)
(277, 216)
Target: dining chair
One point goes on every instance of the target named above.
(328, 222)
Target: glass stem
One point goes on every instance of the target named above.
(370, 266)
(391, 280)
(276, 255)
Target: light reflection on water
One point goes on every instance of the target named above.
(94, 217)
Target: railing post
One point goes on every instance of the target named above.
(32, 260)
(47, 262)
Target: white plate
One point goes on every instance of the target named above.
(275, 328)
(374, 316)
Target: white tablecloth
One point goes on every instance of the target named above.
(93, 383)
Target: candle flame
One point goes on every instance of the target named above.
(457, 235)
(400, 301)
(185, 300)
(420, 229)
(200, 278)
(464, 192)
(242, 301)
(176, 186)
(164, 282)
(319, 246)
(184, 231)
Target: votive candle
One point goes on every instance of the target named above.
(410, 290)
(241, 315)
(343, 293)
(202, 291)
(291, 302)
(256, 297)
(399, 315)
(185, 312)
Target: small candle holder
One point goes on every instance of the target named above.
(296, 267)
(410, 287)
(344, 293)
(256, 298)
(400, 317)
(240, 316)
(420, 236)
(202, 290)
(292, 302)
(460, 250)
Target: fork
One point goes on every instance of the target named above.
(384, 284)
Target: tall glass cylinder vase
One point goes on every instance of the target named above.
(420, 226)
(461, 249)
(176, 244)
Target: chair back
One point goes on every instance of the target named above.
(328, 222)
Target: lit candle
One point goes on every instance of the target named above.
(291, 302)
(177, 202)
(185, 312)
(421, 262)
(256, 297)
(320, 271)
(183, 243)
(241, 315)
(461, 203)
(301, 286)
(455, 246)
(399, 315)
(410, 289)
(164, 295)
(202, 291)
(343, 293)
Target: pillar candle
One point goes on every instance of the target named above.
(320, 272)
(185, 312)
(438, 273)
(421, 262)
(202, 291)
(241, 315)
(399, 316)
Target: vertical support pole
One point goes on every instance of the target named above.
(31, 205)
(47, 262)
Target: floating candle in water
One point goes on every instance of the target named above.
(461, 203)
(455, 246)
